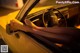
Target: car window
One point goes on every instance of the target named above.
(43, 4)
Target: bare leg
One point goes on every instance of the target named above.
(61, 33)
(69, 31)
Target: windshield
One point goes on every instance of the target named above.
(43, 4)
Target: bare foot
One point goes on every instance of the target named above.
(15, 25)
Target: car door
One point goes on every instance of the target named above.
(20, 42)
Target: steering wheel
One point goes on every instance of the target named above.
(54, 18)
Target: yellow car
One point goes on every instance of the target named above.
(44, 14)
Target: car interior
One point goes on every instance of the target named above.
(67, 16)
